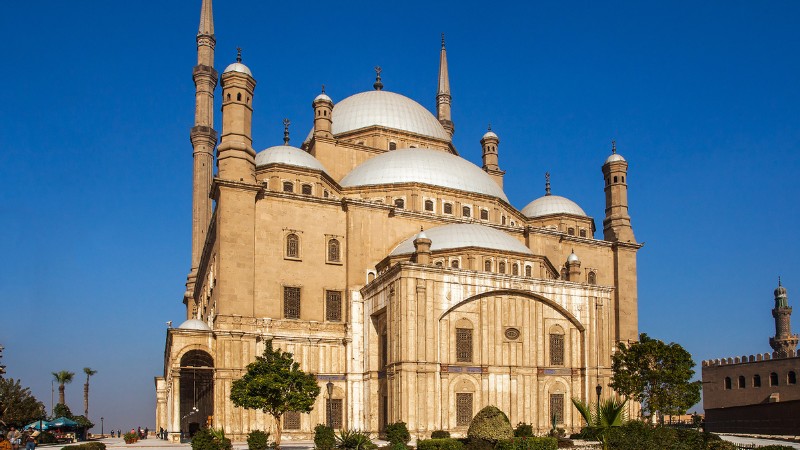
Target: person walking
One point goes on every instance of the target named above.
(30, 442)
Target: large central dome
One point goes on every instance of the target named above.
(422, 165)
(386, 109)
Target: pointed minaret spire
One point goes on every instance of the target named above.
(547, 183)
(378, 85)
(206, 19)
(443, 97)
(286, 124)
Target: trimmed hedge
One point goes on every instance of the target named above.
(86, 446)
(258, 440)
(637, 435)
(397, 433)
(439, 444)
(528, 443)
(324, 437)
(490, 424)
(440, 434)
(523, 430)
(776, 447)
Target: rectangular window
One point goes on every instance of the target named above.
(463, 409)
(484, 214)
(335, 413)
(557, 407)
(556, 349)
(463, 345)
(291, 302)
(384, 350)
(291, 420)
(333, 306)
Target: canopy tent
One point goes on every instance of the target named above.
(40, 425)
(63, 422)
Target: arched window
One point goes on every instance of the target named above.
(557, 347)
(728, 383)
(399, 203)
(501, 267)
(503, 220)
(791, 378)
(487, 265)
(454, 264)
(592, 278)
(528, 271)
(756, 380)
(392, 146)
(325, 193)
(292, 246)
(741, 382)
(288, 186)
(428, 205)
(615, 179)
(239, 97)
(773, 379)
(334, 251)
(571, 231)
(448, 208)
(515, 269)
(484, 214)
(465, 211)
(438, 264)
(306, 189)
(582, 233)
(463, 344)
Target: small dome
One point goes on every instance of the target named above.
(421, 235)
(780, 291)
(462, 235)
(285, 154)
(614, 157)
(238, 67)
(322, 96)
(422, 165)
(572, 257)
(552, 204)
(194, 324)
(490, 134)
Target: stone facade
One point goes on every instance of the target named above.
(488, 305)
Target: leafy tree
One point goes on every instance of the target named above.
(275, 384)
(607, 413)
(89, 372)
(61, 410)
(63, 377)
(657, 375)
(18, 407)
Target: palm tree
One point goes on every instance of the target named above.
(62, 378)
(608, 413)
(89, 372)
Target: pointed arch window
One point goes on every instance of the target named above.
(292, 246)
(334, 250)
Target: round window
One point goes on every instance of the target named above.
(512, 334)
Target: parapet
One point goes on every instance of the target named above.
(746, 359)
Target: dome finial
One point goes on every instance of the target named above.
(238, 54)
(547, 183)
(323, 88)
(442, 40)
(613, 147)
(286, 123)
(490, 126)
(378, 84)
(779, 281)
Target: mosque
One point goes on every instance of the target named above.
(393, 269)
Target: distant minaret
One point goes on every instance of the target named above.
(443, 94)
(784, 341)
(203, 136)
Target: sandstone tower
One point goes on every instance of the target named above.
(784, 343)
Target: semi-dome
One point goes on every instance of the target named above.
(422, 165)
(194, 324)
(285, 154)
(386, 109)
(552, 204)
(238, 67)
(462, 235)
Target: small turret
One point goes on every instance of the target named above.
(573, 267)
(489, 143)
(323, 114)
(422, 248)
(784, 343)
(235, 154)
(617, 223)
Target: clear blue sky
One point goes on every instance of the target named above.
(702, 99)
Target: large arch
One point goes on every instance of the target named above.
(196, 390)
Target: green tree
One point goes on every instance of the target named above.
(657, 375)
(275, 384)
(18, 407)
(61, 410)
(63, 377)
(89, 372)
(607, 413)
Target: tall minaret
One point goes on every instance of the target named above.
(784, 341)
(203, 137)
(443, 94)
(617, 223)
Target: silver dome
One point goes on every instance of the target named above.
(238, 67)
(490, 134)
(285, 154)
(614, 157)
(572, 258)
(422, 165)
(194, 324)
(386, 109)
(323, 96)
(552, 204)
(464, 235)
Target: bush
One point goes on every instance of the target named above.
(397, 433)
(397, 446)
(324, 437)
(637, 435)
(86, 446)
(775, 447)
(440, 444)
(528, 443)
(490, 424)
(208, 439)
(354, 440)
(130, 438)
(523, 430)
(258, 440)
(440, 434)
(725, 445)
(479, 444)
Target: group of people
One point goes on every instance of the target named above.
(17, 438)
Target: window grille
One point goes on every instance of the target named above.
(557, 407)
(288, 186)
(484, 214)
(428, 205)
(306, 189)
(464, 345)
(335, 413)
(333, 306)
(528, 271)
(292, 246)
(291, 302)
(556, 349)
(291, 420)
(448, 208)
(465, 211)
(334, 253)
(463, 409)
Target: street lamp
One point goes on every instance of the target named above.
(329, 386)
(599, 390)
(102, 435)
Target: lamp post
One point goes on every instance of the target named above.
(599, 390)
(102, 435)
(329, 387)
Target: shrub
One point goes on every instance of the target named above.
(397, 446)
(324, 437)
(523, 430)
(258, 440)
(638, 435)
(725, 445)
(86, 446)
(528, 443)
(479, 444)
(130, 438)
(354, 440)
(775, 447)
(440, 434)
(490, 424)
(440, 444)
(397, 433)
(208, 439)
